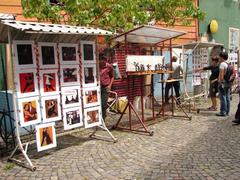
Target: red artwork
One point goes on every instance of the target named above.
(26, 82)
(49, 82)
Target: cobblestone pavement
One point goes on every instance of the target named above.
(205, 148)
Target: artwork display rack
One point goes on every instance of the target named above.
(23, 147)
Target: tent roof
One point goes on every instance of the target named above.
(148, 35)
(47, 32)
(198, 44)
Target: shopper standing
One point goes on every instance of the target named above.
(223, 85)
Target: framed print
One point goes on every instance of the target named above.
(91, 97)
(88, 51)
(72, 118)
(89, 75)
(70, 75)
(51, 110)
(45, 136)
(26, 83)
(69, 54)
(71, 96)
(24, 56)
(92, 116)
(29, 111)
(48, 55)
(49, 82)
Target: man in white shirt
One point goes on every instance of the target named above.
(176, 68)
(224, 87)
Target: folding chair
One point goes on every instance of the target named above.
(111, 102)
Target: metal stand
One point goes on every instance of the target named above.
(19, 145)
(104, 127)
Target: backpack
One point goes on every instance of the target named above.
(229, 74)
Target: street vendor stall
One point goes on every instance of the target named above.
(195, 55)
(135, 66)
(56, 81)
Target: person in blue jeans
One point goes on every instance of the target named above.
(223, 86)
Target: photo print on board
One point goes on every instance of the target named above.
(48, 55)
(70, 75)
(91, 97)
(29, 111)
(72, 118)
(71, 96)
(88, 51)
(89, 75)
(46, 136)
(51, 110)
(49, 82)
(24, 56)
(92, 117)
(26, 83)
(68, 54)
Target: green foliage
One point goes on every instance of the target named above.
(9, 166)
(115, 15)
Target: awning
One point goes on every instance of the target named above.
(6, 16)
(148, 35)
(48, 32)
(54, 28)
(198, 44)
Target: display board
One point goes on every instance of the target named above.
(54, 82)
(199, 60)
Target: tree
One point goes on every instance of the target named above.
(114, 15)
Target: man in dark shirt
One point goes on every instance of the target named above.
(213, 79)
(106, 80)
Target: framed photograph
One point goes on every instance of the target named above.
(92, 116)
(70, 75)
(88, 51)
(45, 136)
(69, 54)
(89, 75)
(29, 111)
(72, 118)
(49, 82)
(26, 83)
(71, 96)
(51, 110)
(91, 97)
(24, 56)
(48, 55)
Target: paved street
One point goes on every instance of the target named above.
(205, 148)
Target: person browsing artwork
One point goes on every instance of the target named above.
(106, 80)
(213, 80)
(176, 68)
(223, 86)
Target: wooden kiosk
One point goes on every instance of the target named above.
(150, 37)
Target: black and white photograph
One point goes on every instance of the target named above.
(72, 118)
(71, 96)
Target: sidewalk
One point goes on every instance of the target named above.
(205, 148)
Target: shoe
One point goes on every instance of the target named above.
(212, 108)
(236, 121)
(221, 114)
